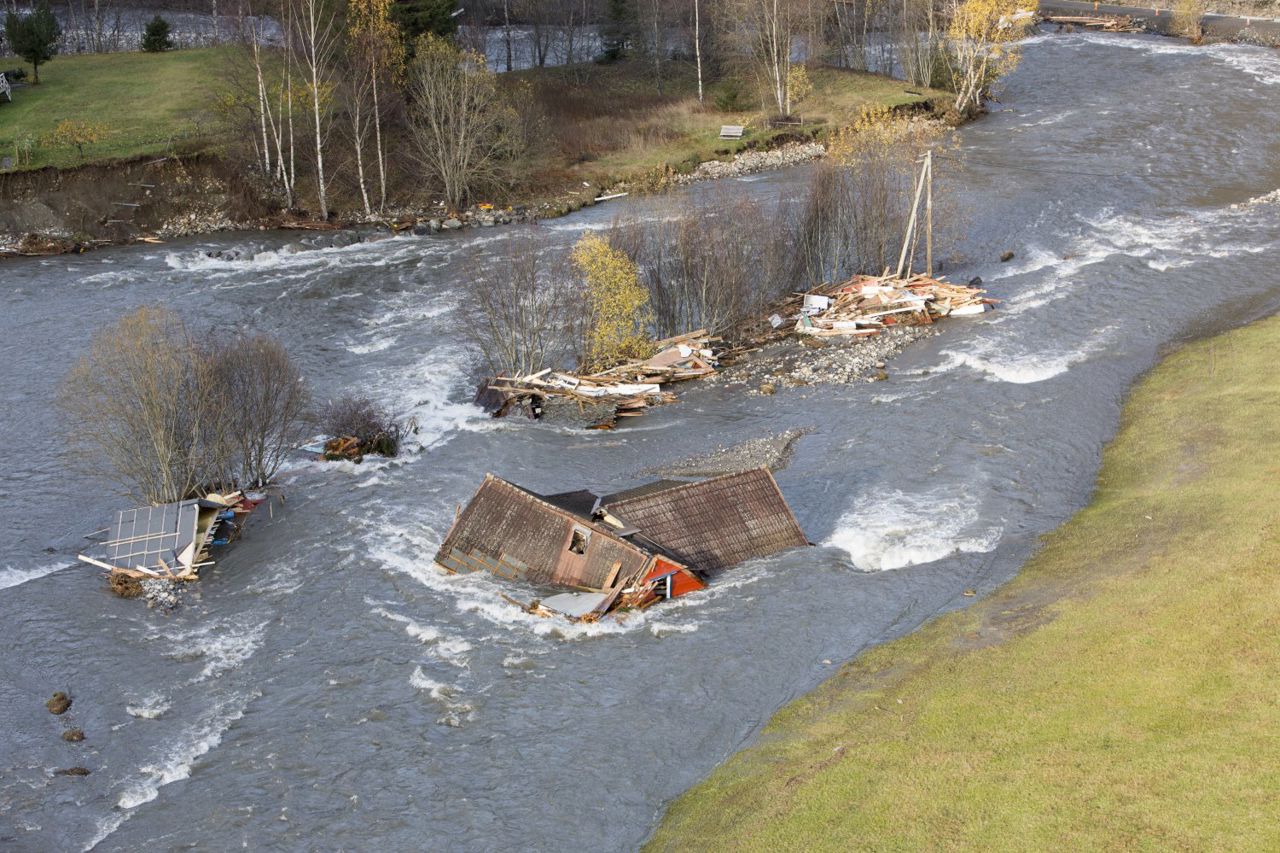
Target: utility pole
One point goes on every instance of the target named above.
(928, 214)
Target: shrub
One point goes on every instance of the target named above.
(155, 38)
(71, 133)
(1188, 18)
(617, 305)
(14, 75)
(360, 418)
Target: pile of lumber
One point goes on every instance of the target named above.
(1103, 23)
(865, 305)
(625, 390)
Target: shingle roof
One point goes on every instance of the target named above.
(716, 523)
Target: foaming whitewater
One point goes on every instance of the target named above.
(325, 683)
(894, 530)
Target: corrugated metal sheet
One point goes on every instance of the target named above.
(716, 523)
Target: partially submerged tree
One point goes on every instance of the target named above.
(166, 417)
(33, 37)
(520, 309)
(465, 133)
(617, 305)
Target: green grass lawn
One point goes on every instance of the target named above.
(1120, 694)
(145, 101)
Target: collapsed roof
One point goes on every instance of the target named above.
(602, 544)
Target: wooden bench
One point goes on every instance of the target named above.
(4, 87)
(731, 131)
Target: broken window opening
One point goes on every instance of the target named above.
(578, 544)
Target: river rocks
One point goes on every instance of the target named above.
(73, 735)
(58, 703)
(1006, 256)
(73, 771)
(451, 224)
(422, 229)
(772, 452)
(163, 594)
(768, 388)
(746, 162)
(791, 363)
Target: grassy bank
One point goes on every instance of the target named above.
(1119, 694)
(146, 102)
(613, 122)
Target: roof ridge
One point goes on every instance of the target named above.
(714, 479)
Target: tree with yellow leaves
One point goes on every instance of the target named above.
(617, 305)
(983, 38)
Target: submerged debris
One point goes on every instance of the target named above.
(73, 771)
(621, 551)
(73, 735)
(151, 547)
(58, 703)
(619, 392)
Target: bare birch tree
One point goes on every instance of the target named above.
(375, 55)
(465, 133)
(982, 42)
(319, 32)
(765, 30)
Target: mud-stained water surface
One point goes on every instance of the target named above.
(328, 688)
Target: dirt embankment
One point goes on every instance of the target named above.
(65, 209)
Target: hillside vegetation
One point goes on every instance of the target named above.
(1119, 694)
(595, 123)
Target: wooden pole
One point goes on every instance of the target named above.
(911, 224)
(928, 213)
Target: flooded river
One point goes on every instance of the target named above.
(328, 688)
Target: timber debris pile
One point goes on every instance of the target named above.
(623, 391)
(624, 551)
(860, 307)
(865, 305)
(170, 542)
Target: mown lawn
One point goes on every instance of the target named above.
(145, 102)
(1120, 694)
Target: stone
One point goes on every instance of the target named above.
(58, 703)
(72, 771)
(768, 388)
(421, 229)
(73, 735)
(434, 225)
(1006, 256)
(451, 224)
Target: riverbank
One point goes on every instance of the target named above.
(596, 132)
(1118, 692)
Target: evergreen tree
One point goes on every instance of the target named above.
(420, 17)
(618, 30)
(33, 37)
(155, 38)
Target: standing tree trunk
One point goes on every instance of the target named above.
(697, 45)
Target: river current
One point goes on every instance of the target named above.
(326, 687)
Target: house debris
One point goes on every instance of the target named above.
(865, 305)
(171, 541)
(619, 392)
(621, 551)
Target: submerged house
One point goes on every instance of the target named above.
(632, 548)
